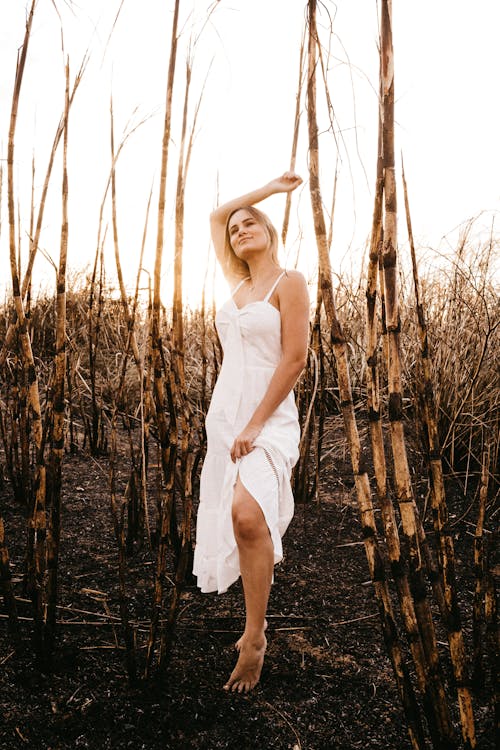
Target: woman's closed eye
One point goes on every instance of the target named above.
(235, 228)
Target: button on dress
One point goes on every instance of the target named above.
(251, 341)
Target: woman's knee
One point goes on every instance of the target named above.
(248, 520)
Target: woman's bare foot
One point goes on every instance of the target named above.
(246, 673)
(238, 643)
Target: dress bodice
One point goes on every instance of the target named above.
(251, 334)
(251, 340)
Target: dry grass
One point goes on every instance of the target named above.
(462, 309)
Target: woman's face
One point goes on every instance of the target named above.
(246, 234)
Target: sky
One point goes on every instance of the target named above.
(245, 60)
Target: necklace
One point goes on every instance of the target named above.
(255, 284)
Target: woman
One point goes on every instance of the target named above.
(246, 501)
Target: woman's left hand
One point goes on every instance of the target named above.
(243, 443)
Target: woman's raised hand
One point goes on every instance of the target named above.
(286, 183)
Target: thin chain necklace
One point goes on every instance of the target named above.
(252, 285)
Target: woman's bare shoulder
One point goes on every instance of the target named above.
(293, 282)
(291, 273)
(292, 291)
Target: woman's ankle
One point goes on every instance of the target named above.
(254, 634)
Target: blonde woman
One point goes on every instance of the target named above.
(246, 501)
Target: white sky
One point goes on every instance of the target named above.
(447, 69)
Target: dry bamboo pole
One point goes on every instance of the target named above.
(403, 485)
(92, 347)
(6, 588)
(95, 444)
(96, 437)
(145, 405)
(35, 236)
(177, 307)
(320, 354)
(168, 460)
(37, 514)
(478, 605)
(312, 427)
(372, 337)
(25, 341)
(146, 400)
(492, 632)
(118, 513)
(203, 352)
(446, 551)
(69, 385)
(58, 406)
(374, 410)
(295, 139)
(121, 283)
(308, 390)
(187, 421)
(167, 437)
(366, 511)
(14, 435)
(388, 515)
(32, 200)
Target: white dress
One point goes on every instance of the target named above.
(251, 340)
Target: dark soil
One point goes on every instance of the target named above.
(327, 682)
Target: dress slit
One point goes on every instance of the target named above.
(259, 476)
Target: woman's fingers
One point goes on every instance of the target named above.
(244, 442)
(292, 177)
(240, 448)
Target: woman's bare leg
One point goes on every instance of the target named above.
(256, 555)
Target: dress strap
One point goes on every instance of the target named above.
(240, 283)
(268, 295)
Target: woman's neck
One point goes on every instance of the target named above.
(261, 272)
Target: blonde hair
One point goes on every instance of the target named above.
(236, 266)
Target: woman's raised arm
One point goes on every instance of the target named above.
(218, 218)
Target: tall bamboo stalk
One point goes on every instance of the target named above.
(389, 521)
(168, 442)
(118, 514)
(372, 334)
(478, 604)
(36, 548)
(116, 244)
(492, 632)
(295, 139)
(366, 511)
(136, 486)
(35, 234)
(308, 388)
(94, 320)
(6, 587)
(319, 396)
(446, 551)
(401, 469)
(183, 424)
(146, 400)
(187, 421)
(25, 341)
(58, 404)
(145, 409)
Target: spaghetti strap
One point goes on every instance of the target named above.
(240, 283)
(268, 295)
